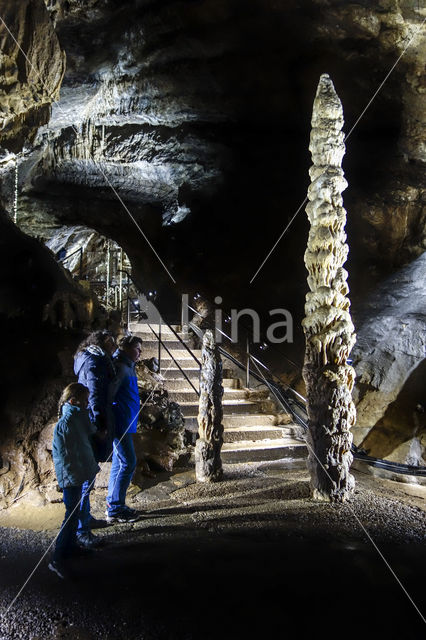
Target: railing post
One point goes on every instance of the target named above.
(159, 346)
(184, 319)
(81, 263)
(128, 310)
(248, 363)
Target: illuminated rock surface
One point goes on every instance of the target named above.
(198, 115)
(208, 463)
(327, 324)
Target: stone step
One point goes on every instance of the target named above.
(176, 374)
(171, 343)
(254, 420)
(230, 407)
(178, 353)
(231, 383)
(186, 362)
(180, 384)
(238, 434)
(189, 395)
(150, 337)
(248, 451)
(142, 327)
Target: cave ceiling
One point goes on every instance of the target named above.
(193, 118)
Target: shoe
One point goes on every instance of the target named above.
(59, 568)
(124, 515)
(88, 540)
(95, 523)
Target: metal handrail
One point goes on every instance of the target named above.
(80, 249)
(174, 360)
(230, 339)
(275, 386)
(388, 465)
(158, 337)
(167, 325)
(184, 344)
(359, 454)
(258, 377)
(289, 404)
(66, 257)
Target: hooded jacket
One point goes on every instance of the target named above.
(94, 369)
(72, 450)
(124, 394)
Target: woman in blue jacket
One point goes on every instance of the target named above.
(124, 394)
(74, 463)
(95, 370)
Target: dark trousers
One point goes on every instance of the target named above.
(66, 540)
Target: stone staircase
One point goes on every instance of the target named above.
(250, 435)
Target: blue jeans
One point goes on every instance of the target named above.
(66, 540)
(84, 516)
(122, 468)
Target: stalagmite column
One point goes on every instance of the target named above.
(208, 465)
(327, 325)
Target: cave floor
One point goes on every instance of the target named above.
(249, 557)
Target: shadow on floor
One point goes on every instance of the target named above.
(239, 585)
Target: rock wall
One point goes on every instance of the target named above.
(43, 316)
(400, 434)
(391, 345)
(181, 106)
(197, 114)
(32, 68)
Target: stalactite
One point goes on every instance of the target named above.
(208, 464)
(327, 324)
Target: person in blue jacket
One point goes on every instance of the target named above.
(126, 405)
(75, 464)
(94, 367)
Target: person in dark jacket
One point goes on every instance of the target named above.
(75, 464)
(95, 370)
(126, 405)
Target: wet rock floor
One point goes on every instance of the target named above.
(251, 557)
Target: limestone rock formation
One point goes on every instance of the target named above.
(32, 68)
(194, 112)
(327, 325)
(391, 345)
(43, 314)
(161, 438)
(208, 464)
(167, 102)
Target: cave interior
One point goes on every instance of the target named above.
(174, 136)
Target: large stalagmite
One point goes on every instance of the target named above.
(327, 325)
(208, 464)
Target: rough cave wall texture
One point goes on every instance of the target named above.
(197, 113)
(30, 82)
(43, 314)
